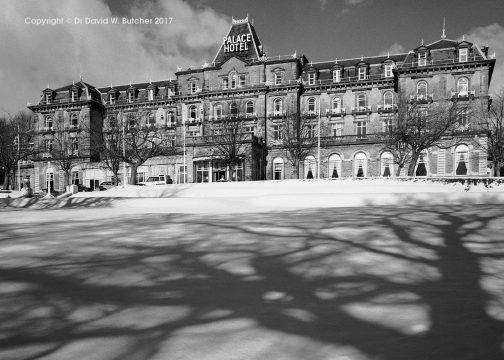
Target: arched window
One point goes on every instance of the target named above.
(463, 86)
(278, 168)
(336, 105)
(361, 101)
(311, 106)
(49, 123)
(387, 164)
(360, 165)
(422, 88)
(250, 108)
(171, 118)
(233, 80)
(193, 113)
(310, 167)
(234, 110)
(388, 100)
(462, 160)
(277, 106)
(49, 179)
(334, 166)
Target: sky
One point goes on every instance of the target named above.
(34, 57)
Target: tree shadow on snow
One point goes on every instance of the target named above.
(390, 283)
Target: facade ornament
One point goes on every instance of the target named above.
(443, 35)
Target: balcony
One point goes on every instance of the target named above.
(46, 129)
(463, 95)
(310, 114)
(336, 112)
(422, 99)
(388, 108)
(351, 139)
(356, 110)
(276, 114)
(73, 128)
(193, 121)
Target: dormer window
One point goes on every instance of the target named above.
(388, 70)
(336, 75)
(233, 80)
(243, 80)
(130, 96)
(312, 77)
(74, 95)
(150, 94)
(225, 84)
(278, 79)
(48, 98)
(422, 59)
(463, 54)
(112, 98)
(193, 88)
(362, 73)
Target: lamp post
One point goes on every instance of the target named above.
(124, 153)
(18, 155)
(318, 141)
(48, 181)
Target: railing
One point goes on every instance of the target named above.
(276, 114)
(387, 108)
(212, 139)
(443, 62)
(350, 139)
(137, 100)
(463, 94)
(61, 101)
(336, 112)
(361, 109)
(422, 98)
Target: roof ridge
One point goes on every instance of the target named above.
(358, 58)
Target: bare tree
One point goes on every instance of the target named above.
(15, 143)
(297, 135)
(134, 138)
(491, 118)
(228, 138)
(419, 127)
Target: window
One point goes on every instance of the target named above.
(225, 84)
(193, 113)
(171, 118)
(360, 165)
(278, 169)
(75, 177)
(462, 118)
(311, 131)
(463, 55)
(311, 78)
(337, 129)
(463, 86)
(233, 81)
(336, 105)
(334, 166)
(48, 98)
(386, 164)
(243, 80)
(277, 106)
(277, 132)
(151, 119)
(49, 123)
(310, 167)
(218, 111)
(74, 95)
(74, 121)
(202, 169)
(311, 106)
(361, 129)
(388, 71)
(111, 98)
(362, 73)
(361, 101)
(336, 75)
(130, 96)
(422, 89)
(278, 79)
(75, 146)
(461, 160)
(193, 133)
(249, 128)
(388, 100)
(150, 94)
(193, 88)
(422, 59)
(48, 144)
(388, 125)
(234, 111)
(250, 108)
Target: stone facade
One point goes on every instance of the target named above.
(348, 103)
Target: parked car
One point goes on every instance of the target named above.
(83, 188)
(106, 185)
(156, 180)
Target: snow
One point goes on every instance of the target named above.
(323, 270)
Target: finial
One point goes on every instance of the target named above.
(179, 68)
(422, 41)
(130, 82)
(362, 58)
(73, 82)
(205, 64)
(463, 37)
(311, 63)
(336, 60)
(388, 54)
(111, 86)
(443, 35)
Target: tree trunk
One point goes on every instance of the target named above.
(414, 158)
(399, 169)
(133, 176)
(497, 166)
(296, 168)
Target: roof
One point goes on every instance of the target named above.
(371, 60)
(138, 86)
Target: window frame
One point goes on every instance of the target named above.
(361, 129)
(277, 106)
(359, 97)
(277, 78)
(466, 85)
(463, 55)
(388, 73)
(336, 75)
(362, 73)
(248, 105)
(422, 58)
(312, 105)
(421, 82)
(312, 78)
(190, 113)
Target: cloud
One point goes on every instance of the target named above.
(395, 48)
(492, 36)
(33, 57)
(349, 5)
(323, 3)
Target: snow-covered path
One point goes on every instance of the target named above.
(360, 283)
